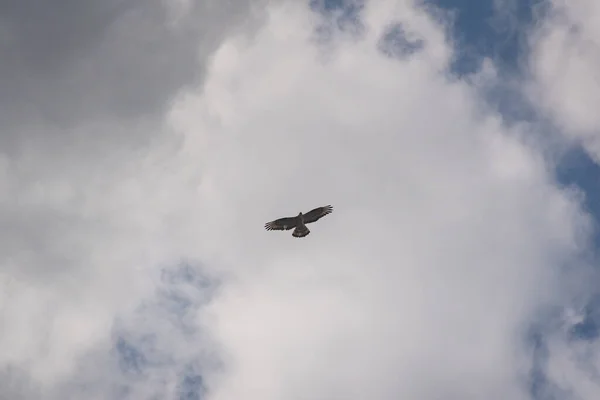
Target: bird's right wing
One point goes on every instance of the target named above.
(281, 224)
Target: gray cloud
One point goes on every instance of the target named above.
(66, 62)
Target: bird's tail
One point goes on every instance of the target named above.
(300, 231)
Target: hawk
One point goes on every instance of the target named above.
(299, 221)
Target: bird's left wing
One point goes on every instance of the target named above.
(317, 213)
(281, 224)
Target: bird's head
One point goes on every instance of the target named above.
(300, 214)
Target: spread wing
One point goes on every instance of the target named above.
(281, 224)
(317, 213)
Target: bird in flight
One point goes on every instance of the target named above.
(299, 221)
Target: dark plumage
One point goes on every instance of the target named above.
(298, 222)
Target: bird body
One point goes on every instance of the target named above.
(301, 229)
(299, 222)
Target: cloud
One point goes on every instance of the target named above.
(75, 63)
(563, 63)
(448, 234)
(75, 252)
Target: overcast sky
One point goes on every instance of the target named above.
(144, 144)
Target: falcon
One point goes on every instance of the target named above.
(298, 222)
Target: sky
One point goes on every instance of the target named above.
(144, 145)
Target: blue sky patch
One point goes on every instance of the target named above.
(142, 352)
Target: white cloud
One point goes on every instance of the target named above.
(448, 232)
(564, 63)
